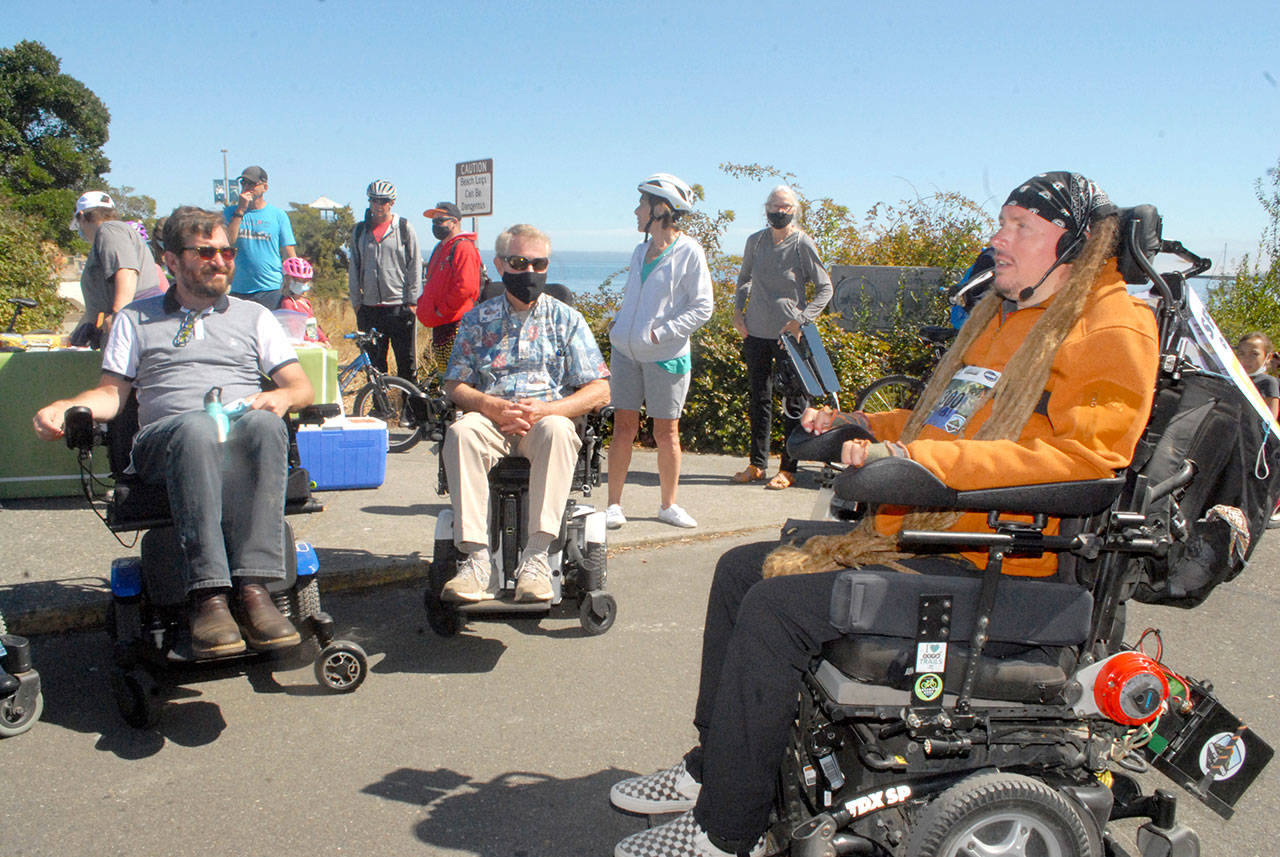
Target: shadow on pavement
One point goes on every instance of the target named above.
(516, 814)
(431, 509)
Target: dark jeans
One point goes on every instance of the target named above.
(759, 354)
(269, 298)
(227, 499)
(759, 637)
(400, 326)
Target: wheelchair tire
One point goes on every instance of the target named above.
(135, 692)
(14, 720)
(889, 393)
(1001, 815)
(342, 666)
(388, 399)
(596, 612)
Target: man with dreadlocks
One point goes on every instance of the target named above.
(1051, 379)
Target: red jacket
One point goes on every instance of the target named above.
(453, 281)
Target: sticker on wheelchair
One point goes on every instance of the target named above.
(928, 687)
(962, 397)
(931, 657)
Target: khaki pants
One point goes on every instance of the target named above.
(473, 446)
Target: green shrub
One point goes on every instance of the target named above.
(27, 269)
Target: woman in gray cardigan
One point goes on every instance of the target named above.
(777, 265)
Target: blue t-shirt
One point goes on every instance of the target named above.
(264, 232)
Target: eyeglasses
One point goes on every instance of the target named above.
(206, 252)
(520, 263)
(380, 200)
(441, 221)
(187, 329)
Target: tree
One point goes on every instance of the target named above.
(52, 130)
(1251, 300)
(318, 238)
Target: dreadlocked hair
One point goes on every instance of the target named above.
(1014, 398)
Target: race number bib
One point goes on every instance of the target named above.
(960, 400)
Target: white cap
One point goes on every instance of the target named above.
(93, 199)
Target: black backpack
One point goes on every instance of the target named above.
(1204, 419)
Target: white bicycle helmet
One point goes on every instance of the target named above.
(670, 190)
(381, 189)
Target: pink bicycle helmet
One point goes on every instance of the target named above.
(298, 268)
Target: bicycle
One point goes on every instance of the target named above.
(383, 396)
(892, 392)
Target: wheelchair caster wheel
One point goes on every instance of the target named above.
(136, 697)
(342, 666)
(442, 618)
(597, 612)
(17, 717)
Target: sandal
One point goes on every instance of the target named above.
(783, 479)
(751, 474)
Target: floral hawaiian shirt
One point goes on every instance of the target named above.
(545, 355)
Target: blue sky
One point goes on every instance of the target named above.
(1175, 104)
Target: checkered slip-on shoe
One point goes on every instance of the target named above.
(680, 838)
(672, 790)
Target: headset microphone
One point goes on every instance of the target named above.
(1065, 254)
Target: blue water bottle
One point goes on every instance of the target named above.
(213, 407)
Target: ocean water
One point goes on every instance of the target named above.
(582, 271)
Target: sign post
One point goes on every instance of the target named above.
(474, 188)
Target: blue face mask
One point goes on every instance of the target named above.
(298, 287)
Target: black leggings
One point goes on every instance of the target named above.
(760, 354)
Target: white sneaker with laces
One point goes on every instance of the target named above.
(676, 517)
(672, 790)
(683, 837)
(533, 579)
(471, 583)
(613, 517)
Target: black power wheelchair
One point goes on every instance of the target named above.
(994, 715)
(147, 617)
(577, 555)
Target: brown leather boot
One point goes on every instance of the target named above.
(214, 632)
(263, 626)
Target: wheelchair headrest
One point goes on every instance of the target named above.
(1140, 232)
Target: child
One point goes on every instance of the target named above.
(297, 282)
(1255, 351)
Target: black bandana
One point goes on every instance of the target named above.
(1064, 199)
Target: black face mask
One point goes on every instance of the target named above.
(440, 231)
(525, 286)
(778, 219)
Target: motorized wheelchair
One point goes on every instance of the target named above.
(995, 715)
(147, 617)
(20, 706)
(577, 555)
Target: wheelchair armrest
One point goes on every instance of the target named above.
(79, 429)
(317, 414)
(903, 482)
(803, 446)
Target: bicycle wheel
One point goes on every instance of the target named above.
(387, 398)
(889, 393)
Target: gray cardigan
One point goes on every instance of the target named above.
(386, 272)
(774, 277)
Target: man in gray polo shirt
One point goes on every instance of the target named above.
(227, 497)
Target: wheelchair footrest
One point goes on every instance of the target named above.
(502, 605)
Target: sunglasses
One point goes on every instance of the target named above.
(207, 252)
(380, 200)
(520, 263)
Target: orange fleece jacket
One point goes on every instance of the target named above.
(1100, 390)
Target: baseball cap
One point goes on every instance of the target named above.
(93, 199)
(254, 174)
(444, 209)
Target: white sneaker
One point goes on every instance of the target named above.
(676, 517)
(683, 837)
(471, 583)
(672, 790)
(613, 517)
(533, 579)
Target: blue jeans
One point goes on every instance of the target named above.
(227, 499)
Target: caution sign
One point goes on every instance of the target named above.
(474, 191)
